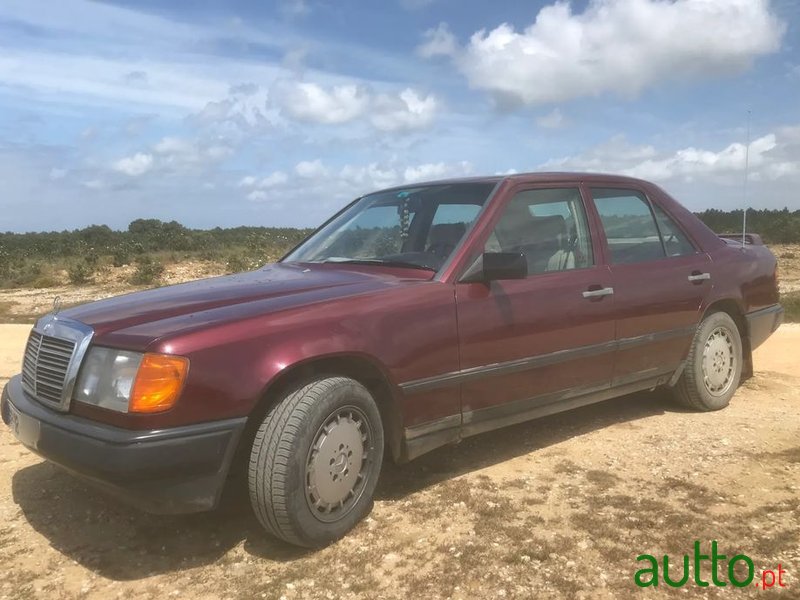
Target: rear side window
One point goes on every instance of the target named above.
(629, 225)
(675, 242)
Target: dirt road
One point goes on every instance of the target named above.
(556, 508)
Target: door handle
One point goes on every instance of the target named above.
(607, 291)
(697, 276)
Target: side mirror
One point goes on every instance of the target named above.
(494, 266)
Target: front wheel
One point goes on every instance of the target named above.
(315, 462)
(714, 365)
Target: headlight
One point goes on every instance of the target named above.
(130, 381)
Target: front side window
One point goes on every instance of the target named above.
(548, 226)
(415, 227)
(629, 225)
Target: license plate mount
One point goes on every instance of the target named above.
(26, 429)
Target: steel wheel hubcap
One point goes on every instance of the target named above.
(719, 362)
(337, 464)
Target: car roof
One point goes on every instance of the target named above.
(532, 177)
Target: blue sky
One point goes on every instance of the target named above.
(278, 113)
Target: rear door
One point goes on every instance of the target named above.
(660, 280)
(530, 343)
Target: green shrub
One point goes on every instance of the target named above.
(80, 272)
(237, 263)
(45, 281)
(148, 271)
(791, 304)
(121, 257)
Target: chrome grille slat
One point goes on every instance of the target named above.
(52, 358)
(44, 353)
(48, 348)
(54, 380)
(53, 368)
(58, 362)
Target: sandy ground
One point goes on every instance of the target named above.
(555, 508)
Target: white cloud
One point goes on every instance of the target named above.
(373, 176)
(338, 104)
(257, 196)
(438, 42)
(182, 153)
(772, 157)
(245, 109)
(403, 112)
(310, 102)
(552, 120)
(258, 188)
(617, 46)
(310, 169)
(96, 81)
(133, 166)
(94, 184)
(330, 187)
(273, 179)
(430, 171)
(174, 154)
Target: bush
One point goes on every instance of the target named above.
(45, 281)
(80, 272)
(148, 271)
(245, 261)
(121, 257)
(791, 304)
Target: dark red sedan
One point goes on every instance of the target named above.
(413, 318)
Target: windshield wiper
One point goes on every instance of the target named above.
(378, 261)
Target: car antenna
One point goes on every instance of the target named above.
(744, 184)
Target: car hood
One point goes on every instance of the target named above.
(137, 318)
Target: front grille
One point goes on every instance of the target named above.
(53, 355)
(45, 366)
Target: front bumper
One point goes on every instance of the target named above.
(177, 470)
(762, 323)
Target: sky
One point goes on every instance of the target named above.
(251, 112)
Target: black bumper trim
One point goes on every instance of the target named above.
(174, 470)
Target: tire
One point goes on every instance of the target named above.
(315, 462)
(714, 365)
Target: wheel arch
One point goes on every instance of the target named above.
(363, 368)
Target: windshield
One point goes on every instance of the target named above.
(414, 227)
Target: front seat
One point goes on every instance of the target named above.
(444, 238)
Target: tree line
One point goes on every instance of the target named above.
(774, 226)
(142, 236)
(153, 235)
(40, 259)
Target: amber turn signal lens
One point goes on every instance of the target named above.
(158, 383)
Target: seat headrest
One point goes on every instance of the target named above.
(550, 227)
(446, 233)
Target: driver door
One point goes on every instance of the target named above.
(530, 345)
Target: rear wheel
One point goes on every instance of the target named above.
(315, 462)
(714, 365)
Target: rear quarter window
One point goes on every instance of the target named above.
(629, 225)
